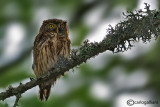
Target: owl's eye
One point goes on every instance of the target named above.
(51, 26)
(60, 25)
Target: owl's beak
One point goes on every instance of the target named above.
(57, 30)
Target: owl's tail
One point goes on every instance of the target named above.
(44, 91)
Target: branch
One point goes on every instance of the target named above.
(141, 25)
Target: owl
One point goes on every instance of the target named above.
(51, 43)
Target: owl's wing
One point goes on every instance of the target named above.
(36, 43)
(68, 41)
(35, 46)
(40, 39)
(37, 39)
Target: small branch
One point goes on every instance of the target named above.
(18, 96)
(141, 25)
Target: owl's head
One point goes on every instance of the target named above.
(55, 25)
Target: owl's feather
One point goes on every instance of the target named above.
(48, 46)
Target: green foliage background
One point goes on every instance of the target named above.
(80, 81)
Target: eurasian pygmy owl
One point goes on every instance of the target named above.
(51, 43)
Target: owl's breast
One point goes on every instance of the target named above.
(62, 47)
(47, 51)
(46, 57)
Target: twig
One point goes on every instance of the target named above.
(138, 26)
(18, 96)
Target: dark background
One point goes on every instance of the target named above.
(108, 80)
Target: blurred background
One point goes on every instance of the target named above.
(108, 80)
